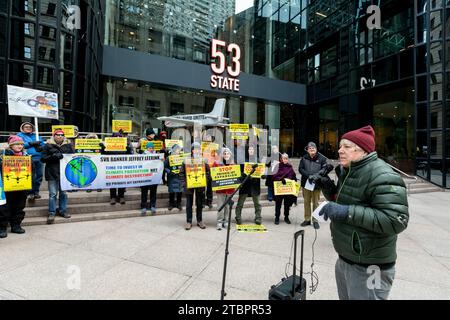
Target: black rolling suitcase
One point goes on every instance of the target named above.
(293, 287)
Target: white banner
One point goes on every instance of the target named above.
(32, 103)
(90, 171)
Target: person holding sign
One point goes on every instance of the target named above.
(172, 168)
(33, 148)
(149, 136)
(222, 216)
(199, 177)
(283, 171)
(311, 167)
(152, 188)
(251, 188)
(13, 211)
(51, 154)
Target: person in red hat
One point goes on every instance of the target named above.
(368, 209)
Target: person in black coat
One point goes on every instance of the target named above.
(52, 153)
(312, 165)
(251, 188)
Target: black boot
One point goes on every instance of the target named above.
(277, 220)
(16, 228)
(286, 219)
(3, 233)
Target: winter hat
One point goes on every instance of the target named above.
(26, 123)
(225, 149)
(116, 135)
(150, 145)
(58, 131)
(363, 137)
(312, 145)
(163, 134)
(12, 140)
(149, 132)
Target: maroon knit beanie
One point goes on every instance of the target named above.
(363, 137)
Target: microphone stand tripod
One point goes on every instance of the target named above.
(230, 202)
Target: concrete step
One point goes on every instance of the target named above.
(425, 190)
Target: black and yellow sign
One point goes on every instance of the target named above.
(157, 144)
(124, 125)
(253, 228)
(115, 144)
(290, 188)
(16, 173)
(195, 173)
(225, 177)
(69, 131)
(258, 172)
(87, 144)
(176, 160)
(239, 131)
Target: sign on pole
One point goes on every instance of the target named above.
(32, 103)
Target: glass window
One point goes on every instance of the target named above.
(51, 8)
(3, 37)
(421, 62)
(42, 52)
(436, 25)
(27, 53)
(421, 89)
(436, 86)
(436, 114)
(4, 6)
(422, 116)
(421, 29)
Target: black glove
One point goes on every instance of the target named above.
(334, 211)
(101, 144)
(313, 178)
(243, 176)
(34, 144)
(283, 181)
(58, 155)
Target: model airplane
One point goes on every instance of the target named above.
(214, 118)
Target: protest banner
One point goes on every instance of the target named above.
(16, 173)
(289, 188)
(124, 125)
(87, 144)
(260, 169)
(69, 131)
(239, 131)
(2, 192)
(110, 171)
(115, 144)
(32, 103)
(195, 173)
(170, 143)
(225, 177)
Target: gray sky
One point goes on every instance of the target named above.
(242, 5)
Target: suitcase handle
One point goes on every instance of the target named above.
(296, 235)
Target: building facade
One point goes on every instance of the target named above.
(314, 69)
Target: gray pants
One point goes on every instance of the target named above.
(355, 282)
(222, 216)
(256, 203)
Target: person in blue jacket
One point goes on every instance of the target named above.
(33, 148)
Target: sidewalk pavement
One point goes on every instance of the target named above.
(155, 258)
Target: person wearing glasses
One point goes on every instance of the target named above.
(52, 153)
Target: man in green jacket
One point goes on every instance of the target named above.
(368, 208)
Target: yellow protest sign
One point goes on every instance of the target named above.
(69, 131)
(170, 143)
(297, 188)
(125, 125)
(87, 144)
(177, 159)
(209, 146)
(256, 131)
(289, 188)
(239, 131)
(195, 174)
(16, 173)
(254, 228)
(115, 144)
(225, 177)
(258, 172)
(157, 144)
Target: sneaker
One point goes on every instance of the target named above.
(143, 211)
(3, 233)
(122, 200)
(258, 222)
(305, 223)
(17, 229)
(238, 221)
(209, 204)
(31, 197)
(37, 196)
(225, 225)
(188, 226)
(153, 210)
(88, 191)
(277, 220)
(113, 201)
(65, 215)
(316, 225)
(286, 219)
(50, 219)
(219, 225)
(180, 207)
(170, 207)
(201, 225)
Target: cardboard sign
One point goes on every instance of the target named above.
(69, 131)
(253, 228)
(195, 174)
(225, 177)
(115, 144)
(239, 131)
(290, 188)
(170, 143)
(17, 173)
(258, 172)
(125, 125)
(87, 144)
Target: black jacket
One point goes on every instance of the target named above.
(309, 166)
(52, 153)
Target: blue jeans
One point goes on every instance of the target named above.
(37, 176)
(270, 193)
(53, 188)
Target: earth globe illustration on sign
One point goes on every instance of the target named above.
(81, 171)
